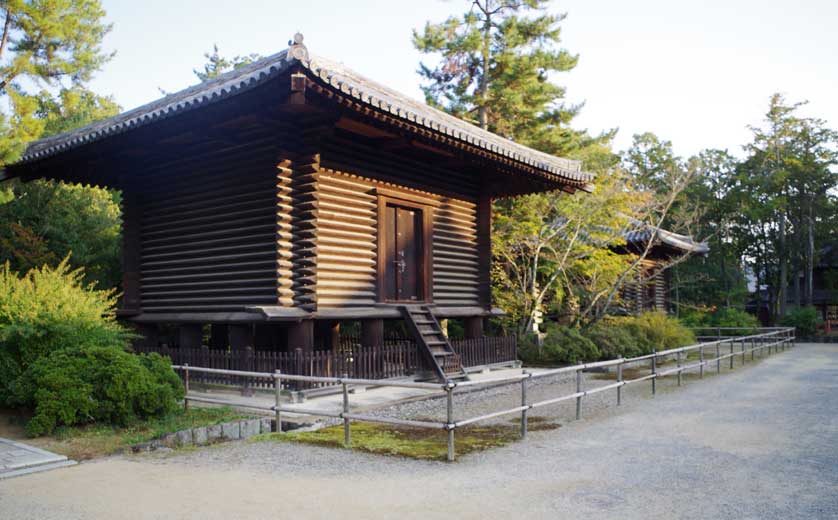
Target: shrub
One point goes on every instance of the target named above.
(561, 345)
(722, 317)
(615, 339)
(662, 332)
(96, 383)
(47, 310)
(631, 336)
(805, 320)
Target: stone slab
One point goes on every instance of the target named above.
(17, 458)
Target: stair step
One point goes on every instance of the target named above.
(433, 342)
(425, 322)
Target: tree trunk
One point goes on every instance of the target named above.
(784, 267)
(810, 256)
(483, 109)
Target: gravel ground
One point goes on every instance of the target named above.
(759, 443)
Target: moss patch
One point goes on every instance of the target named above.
(96, 440)
(416, 443)
(537, 424)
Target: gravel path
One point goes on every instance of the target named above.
(757, 443)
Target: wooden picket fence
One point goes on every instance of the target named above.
(396, 358)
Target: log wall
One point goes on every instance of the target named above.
(208, 232)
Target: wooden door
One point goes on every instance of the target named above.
(404, 253)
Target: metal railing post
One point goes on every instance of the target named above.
(679, 368)
(578, 398)
(450, 425)
(347, 439)
(277, 394)
(718, 358)
(701, 362)
(742, 345)
(524, 404)
(619, 380)
(654, 372)
(753, 347)
(731, 354)
(186, 386)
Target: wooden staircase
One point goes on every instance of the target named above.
(433, 343)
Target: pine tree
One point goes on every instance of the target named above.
(496, 69)
(47, 46)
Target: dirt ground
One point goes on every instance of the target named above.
(756, 443)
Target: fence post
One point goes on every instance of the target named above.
(679, 367)
(298, 367)
(718, 358)
(186, 386)
(620, 380)
(753, 347)
(718, 333)
(654, 372)
(578, 398)
(247, 365)
(205, 361)
(701, 362)
(731, 354)
(346, 434)
(450, 426)
(742, 345)
(524, 403)
(278, 391)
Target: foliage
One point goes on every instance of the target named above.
(49, 310)
(722, 317)
(616, 339)
(805, 320)
(561, 345)
(48, 221)
(654, 331)
(87, 384)
(217, 64)
(46, 43)
(557, 251)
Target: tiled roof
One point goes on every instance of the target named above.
(642, 234)
(337, 77)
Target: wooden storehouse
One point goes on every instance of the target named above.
(651, 289)
(279, 199)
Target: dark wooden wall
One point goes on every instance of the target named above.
(208, 231)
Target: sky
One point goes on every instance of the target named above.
(694, 73)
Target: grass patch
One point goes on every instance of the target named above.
(97, 440)
(416, 443)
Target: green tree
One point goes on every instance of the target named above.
(49, 220)
(45, 45)
(497, 64)
(217, 64)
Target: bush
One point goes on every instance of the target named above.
(805, 320)
(722, 317)
(615, 339)
(632, 336)
(47, 310)
(96, 383)
(561, 345)
(662, 332)
(63, 355)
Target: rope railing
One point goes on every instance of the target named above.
(776, 338)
